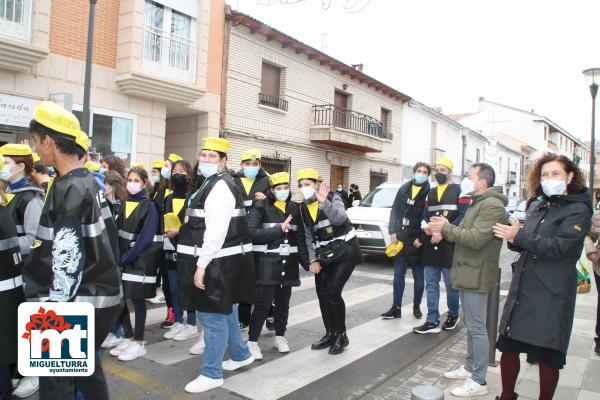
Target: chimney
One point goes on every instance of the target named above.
(358, 67)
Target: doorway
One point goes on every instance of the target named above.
(341, 106)
(338, 176)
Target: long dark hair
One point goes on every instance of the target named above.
(114, 179)
(115, 164)
(188, 169)
(577, 183)
(142, 174)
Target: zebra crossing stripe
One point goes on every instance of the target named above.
(289, 373)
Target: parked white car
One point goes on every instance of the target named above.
(371, 218)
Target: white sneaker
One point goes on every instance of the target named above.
(469, 389)
(133, 351)
(198, 347)
(230, 365)
(202, 384)
(158, 299)
(175, 329)
(28, 386)
(460, 373)
(188, 332)
(121, 347)
(255, 350)
(281, 344)
(15, 382)
(110, 341)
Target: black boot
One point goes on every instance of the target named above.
(515, 396)
(340, 340)
(324, 343)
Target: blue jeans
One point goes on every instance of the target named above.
(176, 301)
(399, 284)
(432, 285)
(221, 332)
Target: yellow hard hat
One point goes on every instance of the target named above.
(394, 249)
(2, 162)
(279, 178)
(173, 157)
(171, 222)
(251, 155)
(15, 150)
(216, 144)
(92, 166)
(445, 161)
(158, 164)
(36, 157)
(307, 173)
(83, 141)
(57, 118)
(137, 165)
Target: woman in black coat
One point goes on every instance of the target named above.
(405, 226)
(539, 310)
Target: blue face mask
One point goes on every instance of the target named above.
(165, 172)
(207, 169)
(420, 178)
(282, 195)
(102, 170)
(51, 171)
(5, 173)
(251, 172)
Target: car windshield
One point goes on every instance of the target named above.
(380, 198)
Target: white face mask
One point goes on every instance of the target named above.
(282, 195)
(5, 173)
(307, 192)
(467, 186)
(208, 169)
(553, 187)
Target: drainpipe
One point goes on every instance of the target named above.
(464, 150)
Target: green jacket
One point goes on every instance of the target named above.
(477, 251)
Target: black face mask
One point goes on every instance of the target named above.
(441, 178)
(179, 180)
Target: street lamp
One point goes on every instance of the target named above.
(592, 76)
(88, 70)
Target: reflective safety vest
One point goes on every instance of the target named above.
(229, 278)
(11, 286)
(139, 277)
(17, 204)
(76, 240)
(323, 231)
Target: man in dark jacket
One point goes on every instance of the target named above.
(405, 227)
(475, 270)
(340, 190)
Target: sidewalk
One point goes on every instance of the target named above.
(579, 380)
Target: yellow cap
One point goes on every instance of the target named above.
(307, 173)
(251, 155)
(137, 165)
(279, 178)
(83, 141)
(2, 162)
(174, 157)
(36, 157)
(92, 166)
(55, 117)
(171, 222)
(445, 161)
(15, 149)
(394, 249)
(158, 164)
(216, 144)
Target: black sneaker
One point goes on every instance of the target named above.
(597, 349)
(428, 327)
(270, 324)
(417, 312)
(515, 396)
(394, 312)
(450, 323)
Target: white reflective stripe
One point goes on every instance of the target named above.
(410, 202)
(138, 278)
(228, 251)
(405, 221)
(263, 248)
(247, 203)
(199, 213)
(323, 224)
(11, 283)
(127, 235)
(9, 243)
(293, 227)
(106, 213)
(90, 230)
(171, 256)
(45, 233)
(20, 229)
(347, 237)
(449, 207)
(274, 224)
(96, 301)
(159, 238)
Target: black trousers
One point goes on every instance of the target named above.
(163, 272)
(139, 307)
(244, 312)
(5, 383)
(265, 296)
(92, 387)
(329, 284)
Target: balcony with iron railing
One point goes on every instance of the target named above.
(169, 54)
(272, 101)
(348, 129)
(511, 178)
(435, 153)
